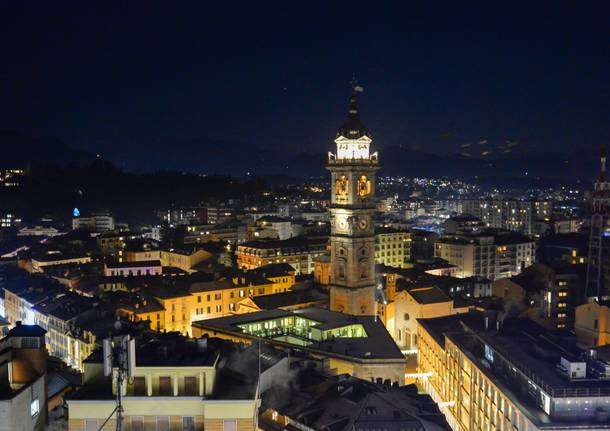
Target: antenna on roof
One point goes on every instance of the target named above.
(119, 351)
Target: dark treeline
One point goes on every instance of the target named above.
(54, 191)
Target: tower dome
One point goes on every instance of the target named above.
(353, 128)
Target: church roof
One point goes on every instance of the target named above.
(353, 128)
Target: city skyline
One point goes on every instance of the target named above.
(267, 217)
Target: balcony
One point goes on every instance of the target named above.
(372, 160)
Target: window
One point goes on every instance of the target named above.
(595, 324)
(190, 386)
(407, 316)
(198, 298)
(139, 386)
(162, 423)
(218, 308)
(489, 353)
(137, 423)
(188, 423)
(35, 407)
(165, 385)
(230, 425)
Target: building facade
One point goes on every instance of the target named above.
(299, 252)
(492, 255)
(177, 385)
(510, 214)
(392, 247)
(491, 374)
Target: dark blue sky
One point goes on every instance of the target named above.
(138, 80)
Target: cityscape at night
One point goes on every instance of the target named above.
(333, 216)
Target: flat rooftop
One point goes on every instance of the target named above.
(373, 342)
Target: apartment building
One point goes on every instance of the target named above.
(392, 247)
(511, 214)
(491, 254)
(178, 384)
(298, 252)
(511, 374)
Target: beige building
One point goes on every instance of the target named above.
(392, 247)
(407, 306)
(592, 324)
(178, 384)
(488, 375)
(182, 259)
(298, 252)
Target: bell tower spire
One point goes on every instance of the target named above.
(352, 238)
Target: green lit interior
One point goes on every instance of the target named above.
(300, 331)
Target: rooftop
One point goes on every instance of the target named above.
(295, 242)
(429, 295)
(322, 330)
(344, 403)
(291, 298)
(532, 351)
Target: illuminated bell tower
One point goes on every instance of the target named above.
(352, 237)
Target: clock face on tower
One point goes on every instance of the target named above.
(342, 223)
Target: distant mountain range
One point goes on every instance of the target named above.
(18, 150)
(218, 157)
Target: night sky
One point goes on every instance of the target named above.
(135, 81)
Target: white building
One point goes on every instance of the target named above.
(38, 231)
(281, 226)
(510, 214)
(491, 254)
(96, 222)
